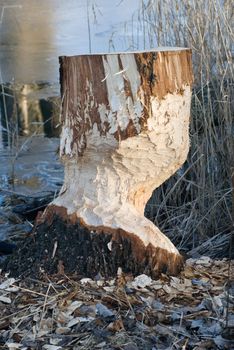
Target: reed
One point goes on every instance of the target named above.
(196, 203)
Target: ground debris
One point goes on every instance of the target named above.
(191, 311)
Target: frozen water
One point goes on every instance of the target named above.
(34, 33)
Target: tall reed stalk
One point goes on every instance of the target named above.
(195, 204)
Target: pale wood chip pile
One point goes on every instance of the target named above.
(191, 311)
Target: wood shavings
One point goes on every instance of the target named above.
(188, 311)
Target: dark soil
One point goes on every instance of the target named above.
(62, 247)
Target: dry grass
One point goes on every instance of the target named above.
(195, 204)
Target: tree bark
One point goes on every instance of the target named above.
(125, 131)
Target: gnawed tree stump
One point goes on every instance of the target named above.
(125, 131)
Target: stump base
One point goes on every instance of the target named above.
(59, 242)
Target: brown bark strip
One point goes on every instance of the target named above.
(84, 90)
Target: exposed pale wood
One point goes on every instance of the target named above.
(125, 131)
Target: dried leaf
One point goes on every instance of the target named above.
(103, 311)
(204, 260)
(62, 330)
(13, 346)
(167, 289)
(5, 300)
(42, 332)
(141, 281)
(73, 306)
(223, 343)
(173, 307)
(188, 272)
(46, 324)
(73, 322)
(63, 317)
(176, 280)
(86, 281)
(187, 282)
(55, 341)
(100, 345)
(51, 347)
(115, 326)
(6, 284)
(156, 285)
(109, 288)
(77, 320)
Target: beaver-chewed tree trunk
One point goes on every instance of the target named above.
(125, 131)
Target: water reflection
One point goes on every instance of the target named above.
(27, 36)
(31, 167)
(34, 33)
(28, 140)
(23, 114)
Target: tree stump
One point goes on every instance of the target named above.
(125, 131)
